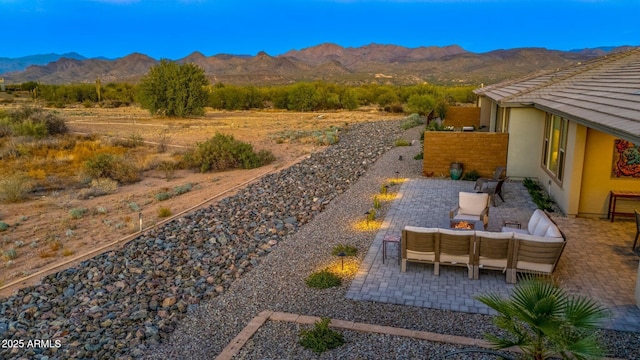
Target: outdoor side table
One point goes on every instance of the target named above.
(390, 239)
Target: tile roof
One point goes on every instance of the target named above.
(603, 93)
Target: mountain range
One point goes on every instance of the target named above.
(329, 62)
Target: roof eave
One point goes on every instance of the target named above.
(634, 138)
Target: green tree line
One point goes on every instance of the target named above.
(158, 88)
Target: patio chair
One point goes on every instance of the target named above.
(471, 207)
(532, 255)
(497, 175)
(637, 213)
(455, 248)
(495, 190)
(494, 251)
(419, 245)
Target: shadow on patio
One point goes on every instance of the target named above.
(597, 261)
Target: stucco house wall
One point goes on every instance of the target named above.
(596, 177)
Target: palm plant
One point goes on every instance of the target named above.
(543, 320)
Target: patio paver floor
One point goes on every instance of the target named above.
(597, 261)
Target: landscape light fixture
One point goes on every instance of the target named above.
(341, 255)
(400, 158)
(367, 217)
(397, 174)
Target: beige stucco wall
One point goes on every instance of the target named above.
(567, 194)
(485, 111)
(526, 127)
(596, 176)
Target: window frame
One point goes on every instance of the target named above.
(552, 145)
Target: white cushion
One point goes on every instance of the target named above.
(514, 230)
(467, 217)
(421, 229)
(519, 236)
(553, 231)
(541, 228)
(456, 232)
(495, 235)
(418, 255)
(535, 218)
(454, 259)
(472, 203)
(537, 267)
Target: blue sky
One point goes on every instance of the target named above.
(175, 28)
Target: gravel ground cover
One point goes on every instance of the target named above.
(187, 289)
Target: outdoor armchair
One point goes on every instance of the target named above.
(471, 207)
(497, 175)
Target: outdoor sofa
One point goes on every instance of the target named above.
(510, 251)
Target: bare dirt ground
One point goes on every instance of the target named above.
(44, 234)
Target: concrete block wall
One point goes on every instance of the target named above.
(480, 151)
(459, 116)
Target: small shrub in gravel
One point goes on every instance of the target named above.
(163, 196)
(348, 250)
(164, 212)
(321, 338)
(113, 167)
(412, 121)
(14, 188)
(223, 152)
(323, 279)
(179, 190)
(134, 207)
(3, 226)
(402, 142)
(77, 213)
(10, 254)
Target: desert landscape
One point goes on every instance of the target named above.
(47, 232)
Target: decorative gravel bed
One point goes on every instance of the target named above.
(187, 289)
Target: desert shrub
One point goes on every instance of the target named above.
(133, 206)
(162, 196)
(10, 254)
(77, 213)
(173, 89)
(419, 156)
(540, 197)
(348, 250)
(323, 279)
(179, 190)
(164, 212)
(14, 188)
(472, 175)
(3, 226)
(412, 120)
(321, 338)
(376, 203)
(55, 125)
(394, 108)
(101, 210)
(30, 128)
(55, 245)
(223, 152)
(112, 167)
(402, 142)
(99, 187)
(169, 168)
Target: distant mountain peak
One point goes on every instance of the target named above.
(326, 61)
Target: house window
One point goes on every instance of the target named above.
(555, 145)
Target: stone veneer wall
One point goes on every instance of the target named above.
(459, 116)
(480, 151)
